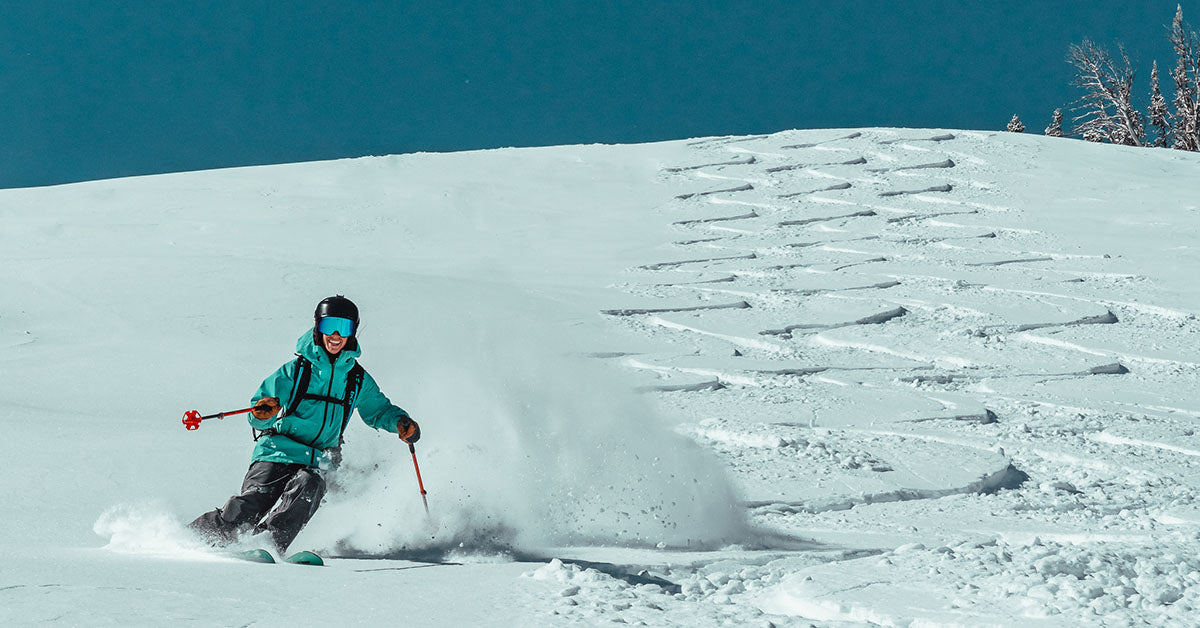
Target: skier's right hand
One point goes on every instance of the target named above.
(265, 408)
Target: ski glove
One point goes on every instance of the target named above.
(408, 430)
(265, 408)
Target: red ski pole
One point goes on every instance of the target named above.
(420, 484)
(192, 418)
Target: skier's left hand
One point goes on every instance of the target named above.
(408, 430)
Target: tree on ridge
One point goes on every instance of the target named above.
(1055, 128)
(1158, 111)
(1106, 108)
(1187, 64)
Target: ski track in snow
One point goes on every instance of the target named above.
(965, 323)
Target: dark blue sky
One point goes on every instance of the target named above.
(94, 90)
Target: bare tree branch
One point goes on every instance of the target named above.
(1106, 110)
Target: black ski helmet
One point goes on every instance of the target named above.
(339, 306)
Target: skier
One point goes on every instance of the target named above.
(293, 451)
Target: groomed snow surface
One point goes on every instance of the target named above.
(893, 377)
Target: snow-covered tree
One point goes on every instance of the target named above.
(1106, 107)
(1055, 128)
(1184, 122)
(1015, 125)
(1158, 110)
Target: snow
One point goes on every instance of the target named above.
(900, 377)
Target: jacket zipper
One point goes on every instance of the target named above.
(312, 456)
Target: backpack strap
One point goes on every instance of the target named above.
(300, 378)
(354, 381)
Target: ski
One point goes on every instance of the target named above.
(254, 556)
(305, 558)
(263, 556)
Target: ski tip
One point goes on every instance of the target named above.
(255, 556)
(305, 558)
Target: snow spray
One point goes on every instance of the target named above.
(528, 443)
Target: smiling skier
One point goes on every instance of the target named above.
(322, 386)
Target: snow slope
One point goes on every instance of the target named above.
(878, 376)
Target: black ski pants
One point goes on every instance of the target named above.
(287, 494)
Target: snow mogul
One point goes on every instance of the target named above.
(285, 483)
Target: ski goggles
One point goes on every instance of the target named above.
(330, 325)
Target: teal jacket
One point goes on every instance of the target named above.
(316, 426)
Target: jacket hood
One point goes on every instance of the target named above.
(307, 347)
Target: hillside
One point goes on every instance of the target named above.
(874, 376)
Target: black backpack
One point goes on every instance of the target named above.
(303, 373)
